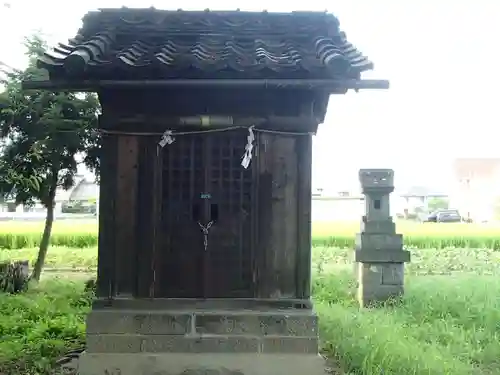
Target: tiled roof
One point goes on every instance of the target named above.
(145, 43)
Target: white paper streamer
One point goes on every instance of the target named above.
(247, 156)
(167, 138)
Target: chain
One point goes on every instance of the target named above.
(205, 229)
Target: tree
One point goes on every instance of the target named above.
(42, 136)
(438, 204)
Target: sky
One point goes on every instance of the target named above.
(440, 57)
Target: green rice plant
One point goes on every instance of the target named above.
(83, 234)
(85, 239)
(24, 240)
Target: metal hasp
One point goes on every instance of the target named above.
(379, 254)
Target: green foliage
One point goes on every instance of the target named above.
(42, 134)
(41, 325)
(424, 261)
(70, 258)
(444, 325)
(438, 204)
(447, 323)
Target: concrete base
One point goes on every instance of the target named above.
(200, 340)
(200, 364)
(202, 331)
(379, 282)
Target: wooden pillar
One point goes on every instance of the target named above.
(126, 215)
(278, 215)
(263, 180)
(304, 152)
(149, 212)
(106, 246)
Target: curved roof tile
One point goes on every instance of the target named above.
(149, 43)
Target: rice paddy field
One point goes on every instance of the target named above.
(447, 323)
(83, 233)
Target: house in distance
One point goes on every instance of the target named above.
(205, 195)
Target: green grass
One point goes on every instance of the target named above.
(330, 260)
(450, 329)
(83, 233)
(39, 326)
(447, 323)
(57, 257)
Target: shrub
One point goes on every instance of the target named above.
(14, 276)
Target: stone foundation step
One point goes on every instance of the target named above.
(290, 322)
(197, 364)
(134, 343)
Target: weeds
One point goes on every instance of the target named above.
(40, 325)
(447, 322)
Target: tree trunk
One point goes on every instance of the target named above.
(47, 230)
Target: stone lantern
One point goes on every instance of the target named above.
(379, 253)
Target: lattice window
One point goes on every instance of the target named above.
(204, 181)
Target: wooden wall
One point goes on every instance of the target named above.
(125, 214)
(129, 216)
(284, 204)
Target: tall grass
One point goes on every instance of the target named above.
(446, 324)
(451, 329)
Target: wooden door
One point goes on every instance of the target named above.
(229, 262)
(206, 232)
(179, 258)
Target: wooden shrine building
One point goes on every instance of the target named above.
(207, 122)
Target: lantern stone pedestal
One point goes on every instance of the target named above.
(379, 254)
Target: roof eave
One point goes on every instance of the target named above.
(330, 86)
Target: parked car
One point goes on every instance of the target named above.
(79, 207)
(444, 216)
